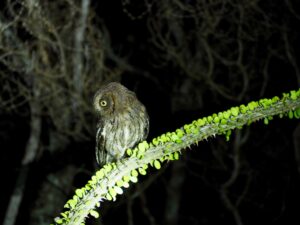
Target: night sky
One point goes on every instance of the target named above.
(184, 60)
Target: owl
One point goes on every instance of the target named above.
(123, 122)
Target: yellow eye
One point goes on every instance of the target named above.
(103, 103)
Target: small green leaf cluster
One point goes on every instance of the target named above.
(222, 120)
(293, 113)
(71, 204)
(93, 183)
(138, 151)
(169, 137)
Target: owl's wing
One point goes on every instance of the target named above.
(100, 147)
(146, 127)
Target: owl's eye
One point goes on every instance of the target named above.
(103, 103)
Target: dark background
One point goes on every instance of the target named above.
(185, 60)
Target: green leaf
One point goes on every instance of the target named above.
(79, 193)
(134, 179)
(108, 197)
(120, 183)
(226, 115)
(216, 119)
(142, 147)
(176, 155)
(293, 95)
(297, 113)
(71, 203)
(58, 220)
(134, 173)
(209, 119)
(125, 184)
(100, 174)
(108, 167)
(64, 215)
(157, 164)
(155, 142)
(129, 152)
(234, 111)
(171, 157)
(291, 114)
(118, 190)
(142, 171)
(94, 213)
(112, 192)
(126, 178)
(228, 134)
(223, 121)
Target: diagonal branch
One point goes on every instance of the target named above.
(108, 181)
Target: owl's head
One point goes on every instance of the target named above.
(111, 98)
